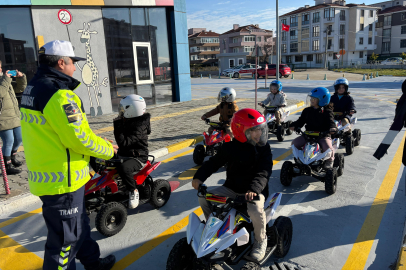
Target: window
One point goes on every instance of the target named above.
(235, 50)
(205, 48)
(248, 48)
(329, 13)
(369, 40)
(288, 59)
(386, 33)
(329, 29)
(387, 20)
(342, 29)
(284, 48)
(305, 32)
(213, 48)
(309, 58)
(371, 13)
(293, 21)
(235, 40)
(370, 27)
(361, 40)
(362, 12)
(361, 54)
(361, 27)
(342, 43)
(316, 45)
(403, 43)
(403, 16)
(403, 29)
(342, 15)
(231, 63)
(305, 45)
(205, 56)
(293, 34)
(198, 49)
(319, 58)
(385, 46)
(316, 17)
(299, 58)
(249, 38)
(284, 35)
(293, 47)
(240, 61)
(213, 56)
(210, 40)
(305, 19)
(335, 56)
(329, 44)
(258, 39)
(316, 31)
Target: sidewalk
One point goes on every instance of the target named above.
(170, 124)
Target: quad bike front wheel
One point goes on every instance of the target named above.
(181, 256)
(288, 130)
(349, 145)
(111, 218)
(161, 191)
(330, 183)
(286, 175)
(285, 230)
(199, 154)
(356, 133)
(280, 133)
(339, 163)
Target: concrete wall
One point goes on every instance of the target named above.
(396, 38)
(46, 24)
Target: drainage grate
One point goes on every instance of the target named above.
(285, 266)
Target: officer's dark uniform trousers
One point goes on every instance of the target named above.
(68, 232)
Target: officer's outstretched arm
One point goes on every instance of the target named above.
(63, 112)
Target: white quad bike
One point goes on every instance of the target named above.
(271, 122)
(349, 139)
(227, 236)
(310, 161)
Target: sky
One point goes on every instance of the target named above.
(220, 15)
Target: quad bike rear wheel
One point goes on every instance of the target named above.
(339, 163)
(330, 183)
(111, 218)
(288, 130)
(285, 231)
(286, 175)
(349, 145)
(356, 133)
(161, 191)
(199, 154)
(280, 133)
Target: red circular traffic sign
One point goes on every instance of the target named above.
(65, 16)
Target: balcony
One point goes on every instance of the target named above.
(305, 22)
(236, 44)
(329, 19)
(342, 18)
(293, 24)
(316, 20)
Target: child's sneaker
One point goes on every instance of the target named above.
(134, 199)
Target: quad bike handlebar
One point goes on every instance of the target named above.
(313, 134)
(238, 200)
(215, 125)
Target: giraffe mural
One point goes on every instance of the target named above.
(90, 72)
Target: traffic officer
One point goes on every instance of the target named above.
(58, 144)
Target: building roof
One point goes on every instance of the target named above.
(244, 29)
(301, 10)
(392, 9)
(204, 34)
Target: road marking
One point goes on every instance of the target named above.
(24, 216)
(177, 156)
(136, 254)
(362, 246)
(15, 256)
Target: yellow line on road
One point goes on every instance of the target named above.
(153, 243)
(362, 246)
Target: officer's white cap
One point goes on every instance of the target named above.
(60, 48)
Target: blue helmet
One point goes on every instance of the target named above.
(343, 81)
(277, 83)
(322, 94)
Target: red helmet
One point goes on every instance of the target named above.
(246, 120)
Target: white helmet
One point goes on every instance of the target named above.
(227, 94)
(132, 106)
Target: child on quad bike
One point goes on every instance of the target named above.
(275, 98)
(318, 117)
(342, 101)
(249, 160)
(226, 109)
(131, 130)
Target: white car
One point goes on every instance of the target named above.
(393, 61)
(244, 69)
(230, 70)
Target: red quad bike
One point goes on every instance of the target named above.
(107, 195)
(212, 143)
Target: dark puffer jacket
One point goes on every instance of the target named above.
(343, 105)
(248, 167)
(10, 113)
(321, 119)
(131, 135)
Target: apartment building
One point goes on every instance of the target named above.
(388, 4)
(203, 46)
(327, 28)
(391, 30)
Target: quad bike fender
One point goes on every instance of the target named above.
(196, 238)
(299, 155)
(142, 175)
(271, 204)
(194, 223)
(101, 182)
(242, 237)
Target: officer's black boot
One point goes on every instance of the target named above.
(14, 161)
(10, 170)
(104, 263)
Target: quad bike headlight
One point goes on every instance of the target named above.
(217, 255)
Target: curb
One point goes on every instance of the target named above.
(20, 201)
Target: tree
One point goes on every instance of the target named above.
(268, 48)
(403, 55)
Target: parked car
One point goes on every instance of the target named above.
(284, 71)
(393, 61)
(245, 69)
(230, 70)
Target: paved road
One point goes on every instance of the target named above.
(359, 227)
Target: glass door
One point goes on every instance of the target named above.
(143, 63)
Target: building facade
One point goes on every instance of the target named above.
(204, 46)
(391, 28)
(328, 28)
(131, 47)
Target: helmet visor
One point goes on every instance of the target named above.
(257, 135)
(223, 96)
(120, 110)
(309, 100)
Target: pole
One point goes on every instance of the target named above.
(3, 170)
(266, 73)
(278, 32)
(325, 54)
(256, 71)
